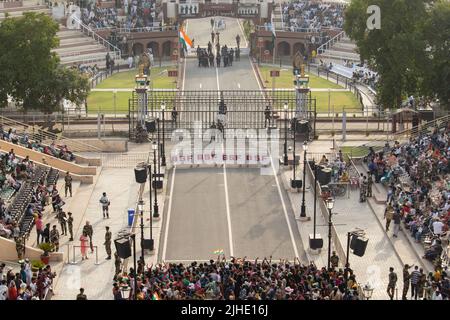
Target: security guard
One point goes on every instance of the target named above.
(19, 248)
(392, 283)
(406, 281)
(108, 237)
(62, 219)
(334, 259)
(369, 184)
(117, 262)
(68, 183)
(70, 225)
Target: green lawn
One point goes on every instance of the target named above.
(339, 101)
(104, 100)
(355, 152)
(285, 80)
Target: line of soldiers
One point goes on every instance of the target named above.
(206, 57)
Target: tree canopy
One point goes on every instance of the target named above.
(410, 50)
(29, 71)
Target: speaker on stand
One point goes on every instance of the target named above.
(140, 173)
(123, 247)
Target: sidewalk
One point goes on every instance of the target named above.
(349, 214)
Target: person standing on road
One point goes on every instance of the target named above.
(369, 184)
(83, 246)
(174, 115)
(392, 283)
(117, 262)
(334, 259)
(39, 224)
(406, 281)
(87, 229)
(212, 23)
(415, 277)
(397, 219)
(68, 183)
(46, 234)
(62, 219)
(212, 36)
(388, 215)
(70, 225)
(105, 205)
(108, 237)
(238, 41)
(81, 295)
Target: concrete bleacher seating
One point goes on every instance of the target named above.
(18, 11)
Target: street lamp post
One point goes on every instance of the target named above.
(303, 207)
(155, 206)
(330, 204)
(133, 236)
(163, 151)
(315, 196)
(150, 205)
(141, 212)
(285, 155)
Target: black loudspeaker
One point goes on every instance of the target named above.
(353, 241)
(150, 125)
(148, 244)
(302, 126)
(296, 184)
(157, 184)
(140, 174)
(316, 243)
(123, 248)
(360, 246)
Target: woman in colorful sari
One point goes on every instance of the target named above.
(83, 246)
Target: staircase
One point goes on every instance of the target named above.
(277, 15)
(338, 49)
(19, 11)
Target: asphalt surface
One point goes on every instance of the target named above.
(242, 214)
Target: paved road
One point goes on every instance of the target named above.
(236, 210)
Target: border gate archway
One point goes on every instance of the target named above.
(236, 109)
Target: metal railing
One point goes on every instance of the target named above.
(327, 45)
(38, 134)
(288, 29)
(142, 29)
(100, 40)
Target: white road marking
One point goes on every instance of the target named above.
(239, 85)
(168, 215)
(200, 85)
(227, 201)
(284, 208)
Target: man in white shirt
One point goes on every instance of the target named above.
(3, 290)
(437, 227)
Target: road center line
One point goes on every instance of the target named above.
(284, 208)
(168, 215)
(227, 201)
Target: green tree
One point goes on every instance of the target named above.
(29, 70)
(437, 67)
(396, 51)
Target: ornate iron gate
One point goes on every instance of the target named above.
(235, 109)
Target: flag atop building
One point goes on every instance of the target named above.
(186, 42)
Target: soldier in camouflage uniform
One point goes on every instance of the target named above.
(70, 225)
(392, 283)
(20, 248)
(406, 281)
(117, 262)
(108, 237)
(334, 260)
(369, 184)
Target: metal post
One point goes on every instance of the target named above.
(133, 236)
(330, 224)
(285, 156)
(96, 255)
(315, 196)
(115, 109)
(150, 194)
(163, 151)
(155, 206)
(159, 149)
(293, 151)
(349, 234)
(303, 207)
(142, 233)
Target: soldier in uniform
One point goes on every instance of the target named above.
(81, 295)
(62, 219)
(70, 225)
(117, 262)
(388, 215)
(54, 237)
(108, 237)
(363, 190)
(212, 36)
(406, 281)
(392, 283)
(238, 41)
(267, 117)
(334, 260)
(19, 247)
(369, 184)
(68, 183)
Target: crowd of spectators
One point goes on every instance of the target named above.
(58, 151)
(95, 17)
(25, 284)
(90, 71)
(305, 14)
(418, 178)
(237, 279)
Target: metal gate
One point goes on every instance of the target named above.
(235, 109)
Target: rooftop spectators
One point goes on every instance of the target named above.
(303, 14)
(238, 279)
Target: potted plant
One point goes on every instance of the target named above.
(47, 248)
(36, 265)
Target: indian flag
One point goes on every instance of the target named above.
(218, 252)
(185, 40)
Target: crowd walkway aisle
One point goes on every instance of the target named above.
(121, 188)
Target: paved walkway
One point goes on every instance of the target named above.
(380, 254)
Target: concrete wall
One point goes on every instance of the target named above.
(41, 158)
(107, 144)
(8, 252)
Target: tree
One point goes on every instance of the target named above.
(396, 51)
(437, 67)
(29, 70)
